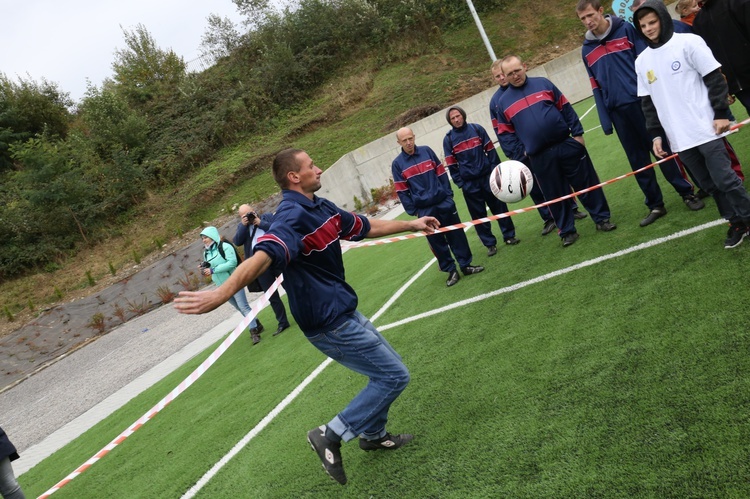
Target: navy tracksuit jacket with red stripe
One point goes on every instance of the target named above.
(470, 157)
(423, 188)
(539, 115)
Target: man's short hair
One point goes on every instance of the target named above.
(582, 4)
(509, 58)
(283, 163)
(496, 64)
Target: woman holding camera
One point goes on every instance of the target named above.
(219, 262)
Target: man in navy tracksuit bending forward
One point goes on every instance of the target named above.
(535, 112)
(470, 157)
(423, 188)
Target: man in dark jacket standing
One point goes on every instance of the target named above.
(250, 228)
(423, 188)
(534, 115)
(725, 26)
(470, 157)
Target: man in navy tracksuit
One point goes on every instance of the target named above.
(535, 115)
(518, 153)
(423, 187)
(609, 51)
(303, 242)
(470, 157)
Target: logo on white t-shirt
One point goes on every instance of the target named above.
(676, 65)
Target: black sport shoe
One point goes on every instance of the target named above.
(653, 216)
(735, 235)
(570, 239)
(491, 250)
(693, 202)
(329, 453)
(579, 215)
(512, 241)
(605, 226)
(388, 442)
(549, 226)
(472, 269)
(453, 278)
(255, 335)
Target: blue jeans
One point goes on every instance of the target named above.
(9, 487)
(239, 301)
(356, 344)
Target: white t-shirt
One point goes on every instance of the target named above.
(673, 76)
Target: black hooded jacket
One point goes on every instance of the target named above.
(725, 25)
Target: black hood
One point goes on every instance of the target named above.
(667, 28)
(448, 114)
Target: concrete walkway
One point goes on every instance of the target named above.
(55, 406)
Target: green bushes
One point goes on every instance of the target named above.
(67, 176)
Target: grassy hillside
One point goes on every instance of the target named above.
(359, 105)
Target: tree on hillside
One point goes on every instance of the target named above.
(220, 38)
(256, 12)
(29, 109)
(143, 71)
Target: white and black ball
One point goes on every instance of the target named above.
(511, 181)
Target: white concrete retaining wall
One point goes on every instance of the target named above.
(369, 167)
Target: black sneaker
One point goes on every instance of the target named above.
(255, 335)
(579, 215)
(453, 278)
(653, 216)
(570, 239)
(491, 250)
(693, 202)
(512, 241)
(472, 269)
(549, 226)
(735, 235)
(329, 453)
(605, 226)
(388, 442)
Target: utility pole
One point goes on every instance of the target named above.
(481, 31)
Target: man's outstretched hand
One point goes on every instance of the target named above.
(197, 302)
(426, 224)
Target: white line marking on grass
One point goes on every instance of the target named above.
(289, 398)
(557, 273)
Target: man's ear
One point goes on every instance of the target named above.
(293, 177)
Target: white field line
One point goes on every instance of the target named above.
(289, 398)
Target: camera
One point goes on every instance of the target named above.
(250, 216)
(205, 265)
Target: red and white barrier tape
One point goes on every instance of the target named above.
(507, 214)
(258, 305)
